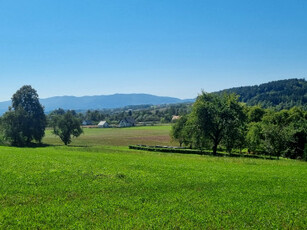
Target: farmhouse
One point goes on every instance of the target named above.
(174, 118)
(87, 122)
(127, 122)
(103, 124)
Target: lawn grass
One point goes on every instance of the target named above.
(93, 185)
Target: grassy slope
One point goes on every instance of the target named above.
(114, 187)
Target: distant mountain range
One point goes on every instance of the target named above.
(281, 94)
(100, 102)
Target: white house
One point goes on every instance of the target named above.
(127, 122)
(103, 124)
(174, 118)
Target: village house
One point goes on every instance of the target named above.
(127, 122)
(175, 118)
(103, 124)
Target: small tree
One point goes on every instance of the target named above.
(235, 137)
(189, 133)
(66, 126)
(235, 130)
(255, 138)
(276, 139)
(278, 134)
(298, 124)
(255, 114)
(177, 132)
(12, 126)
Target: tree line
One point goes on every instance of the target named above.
(141, 113)
(221, 121)
(25, 122)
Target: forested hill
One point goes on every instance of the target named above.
(282, 94)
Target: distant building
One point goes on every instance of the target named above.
(103, 124)
(174, 118)
(87, 122)
(127, 122)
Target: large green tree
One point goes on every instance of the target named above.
(25, 121)
(66, 126)
(218, 117)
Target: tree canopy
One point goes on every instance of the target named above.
(66, 126)
(25, 121)
(219, 120)
(214, 118)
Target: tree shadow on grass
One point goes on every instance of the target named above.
(77, 146)
(166, 149)
(31, 145)
(36, 145)
(44, 145)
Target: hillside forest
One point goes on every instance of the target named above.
(282, 94)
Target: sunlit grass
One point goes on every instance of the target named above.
(93, 184)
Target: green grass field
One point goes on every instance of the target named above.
(149, 135)
(98, 183)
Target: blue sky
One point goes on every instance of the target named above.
(162, 47)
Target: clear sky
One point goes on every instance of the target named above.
(162, 47)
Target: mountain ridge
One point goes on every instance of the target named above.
(281, 94)
(112, 101)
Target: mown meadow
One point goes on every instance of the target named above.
(98, 183)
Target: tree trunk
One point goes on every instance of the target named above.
(214, 149)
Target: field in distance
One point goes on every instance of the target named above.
(98, 183)
(146, 135)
